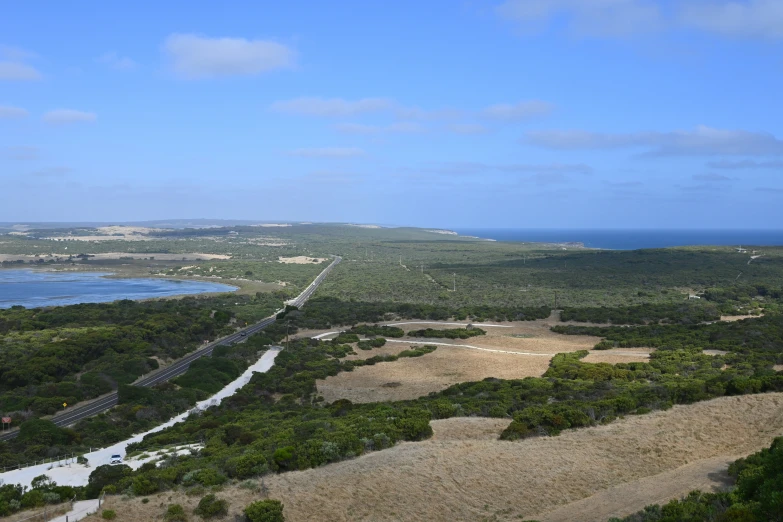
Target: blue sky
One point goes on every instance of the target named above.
(523, 113)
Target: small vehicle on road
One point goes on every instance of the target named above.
(116, 459)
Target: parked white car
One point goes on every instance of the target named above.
(116, 459)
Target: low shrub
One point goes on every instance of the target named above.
(175, 513)
(210, 506)
(108, 514)
(265, 511)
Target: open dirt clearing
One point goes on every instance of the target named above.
(412, 377)
(519, 336)
(464, 474)
(301, 260)
(707, 475)
(619, 355)
(513, 351)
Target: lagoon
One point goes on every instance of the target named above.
(37, 288)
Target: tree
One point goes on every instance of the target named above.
(39, 431)
(105, 475)
(265, 511)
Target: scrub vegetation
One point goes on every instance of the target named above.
(279, 423)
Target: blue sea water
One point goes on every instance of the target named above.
(632, 239)
(36, 288)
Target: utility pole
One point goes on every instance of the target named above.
(555, 300)
(422, 268)
(455, 282)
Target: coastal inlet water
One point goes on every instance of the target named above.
(632, 239)
(36, 288)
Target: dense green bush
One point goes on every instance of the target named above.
(448, 333)
(210, 506)
(327, 312)
(373, 330)
(109, 514)
(265, 511)
(175, 513)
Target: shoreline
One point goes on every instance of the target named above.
(102, 274)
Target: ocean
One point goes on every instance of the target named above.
(36, 288)
(631, 239)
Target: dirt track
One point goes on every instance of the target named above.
(522, 349)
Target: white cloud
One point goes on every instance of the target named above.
(518, 111)
(624, 184)
(62, 116)
(467, 168)
(402, 127)
(606, 18)
(16, 54)
(617, 18)
(753, 18)
(12, 66)
(331, 107)
(7, 112)
(710, 176)
(195, 56)
(467, 128)
(703, 141)
(328, 152)
(745, 164)
(115, 61)
(51, 172)
(18, 71)
(22, 152)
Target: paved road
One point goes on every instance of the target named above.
(180, 366)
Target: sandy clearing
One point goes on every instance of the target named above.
(518, 336)
(468, 428)
(730, 318)
(619, 355)
(416, 376)
(301, 260)
(708, 475)
(463, 475)
(526, 477)
(778, 367)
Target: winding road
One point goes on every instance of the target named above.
(180, 366)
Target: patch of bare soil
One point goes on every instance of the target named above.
(619, 355)
(778, 367)
(708, 475)
(463, 474)
(731, 318)
(519, 336)
(417, 376)
(301, 260)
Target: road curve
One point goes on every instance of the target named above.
(181, 365)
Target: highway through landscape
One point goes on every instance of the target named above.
(181, 365)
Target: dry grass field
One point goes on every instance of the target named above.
(465, 474)
(519, 350)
